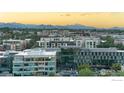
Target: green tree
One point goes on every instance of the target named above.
(86, 72)
(109, 42)
(119, 73)
(120, 46)
(116, 67)
(84, 66)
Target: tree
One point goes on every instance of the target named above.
(83, 66)
(120, 46)
(86, 72)
(120, 73)
(109, 42)
(116, 67)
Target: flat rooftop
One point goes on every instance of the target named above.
(37, 52)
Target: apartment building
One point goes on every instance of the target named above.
(34, 62)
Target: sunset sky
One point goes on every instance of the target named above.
(89, 19)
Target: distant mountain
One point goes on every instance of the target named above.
(117, 28)
(43, 26)
(112, 28)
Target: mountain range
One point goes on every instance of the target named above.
(44, 26)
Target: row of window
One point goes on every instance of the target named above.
(53, 44)
(33, 64)
(103, 53)
(102, 57)
(34, 59)
(33, 69)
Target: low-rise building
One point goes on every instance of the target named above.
(34, 62)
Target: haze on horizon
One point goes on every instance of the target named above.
(99, 19)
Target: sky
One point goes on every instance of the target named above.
(98, 19)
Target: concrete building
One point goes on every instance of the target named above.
(34, 62)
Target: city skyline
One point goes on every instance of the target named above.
(98, 19)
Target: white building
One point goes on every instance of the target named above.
(119, 41)
(91, 42)
(34, 62)
(87, 42)
(58, 42)
(55, 42)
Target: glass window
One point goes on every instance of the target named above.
(26, 64)
(51, 68)
(36, 64)
(46, 63)
(46, 68)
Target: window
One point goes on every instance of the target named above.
(41, 68)
(26, 64)
(37, 59)
(51, 68)
(41, 63)
(90, 43)
(17, 65)
(18, 58)
(36, 64)
(20, 69)
(82, 53)
(46, 63)
(36, 69)
(27, 59)
(46, 68)
(87, 43)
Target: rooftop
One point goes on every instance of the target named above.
(37, 52)
(102, 49)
